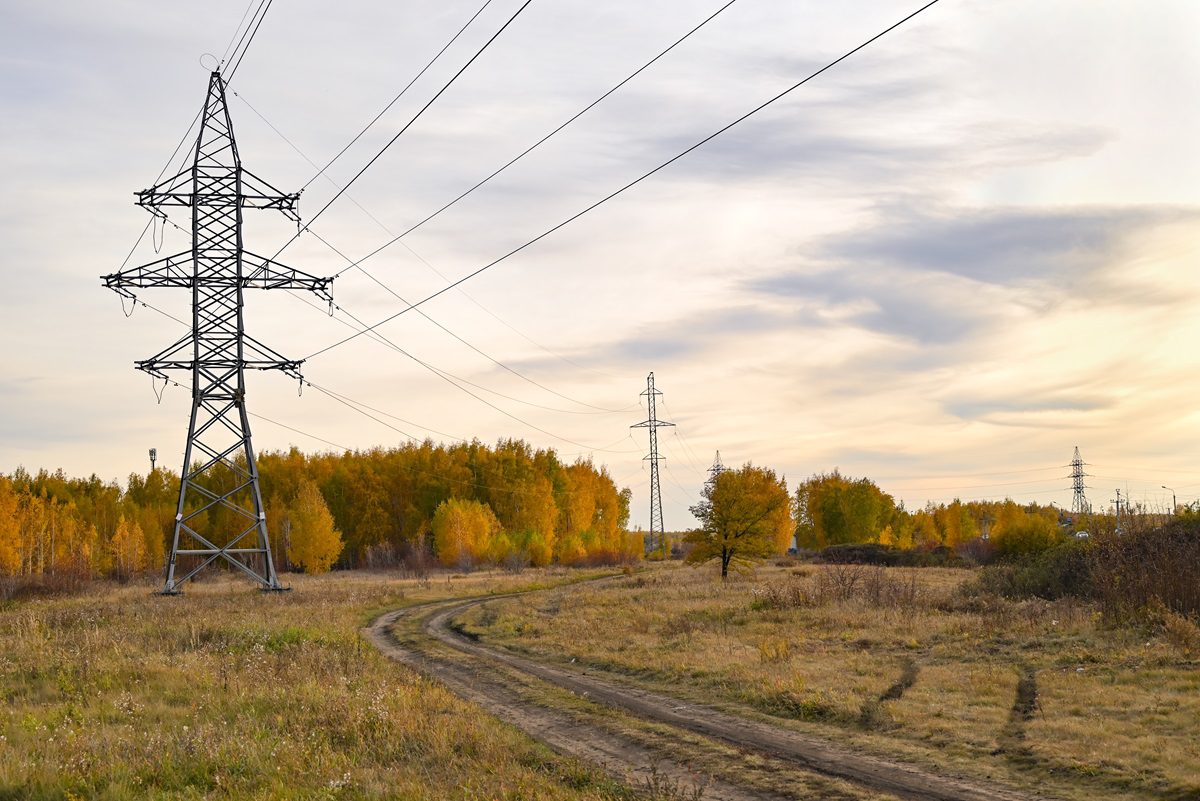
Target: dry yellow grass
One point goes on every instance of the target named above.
(1116, 713)
(229, 693)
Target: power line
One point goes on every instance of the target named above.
(541, 141)
(974, 486)
(264, 7)
(445, 375)
(974, 475)
(188, 132)
(348, 405)
(360, 207)
(229, 47)
(448, 379)
(375, 336)
(632, 183)
(1006, 495)
(394, 100)
(688, 453)
(417, 471)
(492, 359)
(339, 396)
(407, 125)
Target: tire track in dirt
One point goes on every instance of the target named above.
(630, 762)
(806, 752)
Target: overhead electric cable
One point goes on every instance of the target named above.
(632, 183)
(229, 48)
(688, 453)
(971, 475)
(340, 396)
(541, 141)
(978, 486)
(183, 140)
(439, 476)
(325, 390)
(1004, 495)
(375, 336)
(489, 357)
(448, 379)
(262, 14)
(407, 125)
(365, 414)
(394, 100)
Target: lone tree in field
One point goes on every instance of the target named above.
(314, 543)
(745, 516)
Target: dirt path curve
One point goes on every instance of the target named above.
(628, 761)
(810, 753)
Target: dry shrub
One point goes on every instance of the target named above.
(872, 585)
(774, 649)
(1129, 575)
(47, 585)
(840, 582)
(382, 556)
(1147, 568)
(678, 626)
(784, 595)
(417, 560)
(1179, 630)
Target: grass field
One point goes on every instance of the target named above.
(1041, 695)
(229, 693)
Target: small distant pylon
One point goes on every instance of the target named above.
(714, 471)
(1079, 503)
(653, 423)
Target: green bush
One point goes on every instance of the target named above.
(1129, 575)
(873, 553)
(1061, 570)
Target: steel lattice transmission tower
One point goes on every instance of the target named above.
(1079, 502)
(653, 423)
(714, 471)
(220, 513)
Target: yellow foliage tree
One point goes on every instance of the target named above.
(314, 543)
(10, 529)
(745, 515)
(466, 532)
(128, 548)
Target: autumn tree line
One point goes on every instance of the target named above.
(832, 509)
(470, 505)
(462, 505)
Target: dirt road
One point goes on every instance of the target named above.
(478, 680)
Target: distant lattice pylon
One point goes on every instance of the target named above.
(1079, 501)
(653, 423)
(716, 470)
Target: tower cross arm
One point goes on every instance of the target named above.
(178, 271)
(649, 423)
(181, 355)
(192, 186)
(258, 194)
(175, 191)
(172, 271)
(263, 273)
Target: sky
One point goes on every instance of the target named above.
(943, 264)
